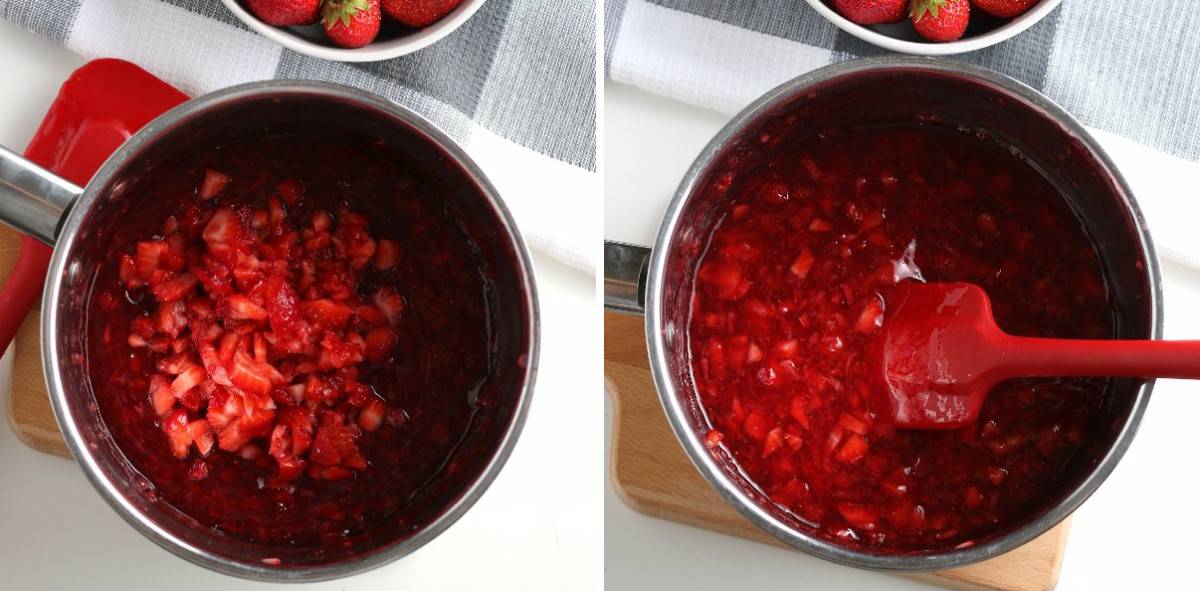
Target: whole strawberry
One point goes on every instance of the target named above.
(940, 20)
(1004, 8)
(285, 13)
(419, 13)
(872, 12)
(351, 23)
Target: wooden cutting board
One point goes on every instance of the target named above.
(28, 405)
(653, 475)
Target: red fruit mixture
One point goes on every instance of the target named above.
(256, 332)
(274, 364)
(795, 285)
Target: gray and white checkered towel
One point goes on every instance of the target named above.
(1128, 72)
(515, 85)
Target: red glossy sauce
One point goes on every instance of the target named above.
(375, 363)
(795, 284)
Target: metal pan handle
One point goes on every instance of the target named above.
(33, 199)
(625, 268)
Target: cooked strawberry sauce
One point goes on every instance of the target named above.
(795, 285)
(298, 354)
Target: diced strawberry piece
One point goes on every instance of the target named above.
(370, 315)
(803, 263)
(148, 254)
(249, 375)
(128, 273)
(224, 408)
(162, 397)
(757, 425)
(190, 377)
(773, 442)
(175, 287)
(379, 343)
(853, 424)
(713, 438)
(243, 308)
(871, 317)
(335, 442)
(786, 348)
(372, 415)
(799, 412)
(327, 313)
(858, 516)
(753, 353)
(175, 426)
(291, 191)
(321, 221)
(287, 321)
(387, 254)
(223, 234)
(214, 182)
(202, 435)
(390, 303)
(291, 467)
(171, 318)
(854, 449)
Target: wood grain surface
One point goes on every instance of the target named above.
(28, 405)
(654, 476)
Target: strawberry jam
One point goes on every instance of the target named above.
(300, 353)
(795, 284)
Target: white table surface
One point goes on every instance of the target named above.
(1136, 532)
(537, 527)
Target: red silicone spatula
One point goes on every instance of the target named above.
(940, 352)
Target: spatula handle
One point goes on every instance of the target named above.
(1023, 356)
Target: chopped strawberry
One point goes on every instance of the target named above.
(174, 287)
(387, 254)
(243, 308)
(372, 415)
(128, 273)
(190, 377)
(379, 344)
(327, 313)
(858, 516)
(162, 397)
(249, 375)
(756, 425)
(803, 263)
(854, 449)
(214, 182)
(853, 424)
(871, 317)
(146, 259)
(390, 303)
(773, 442)
(179, 438)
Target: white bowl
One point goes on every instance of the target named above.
(902, 38)
(394, 39)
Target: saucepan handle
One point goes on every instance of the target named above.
(625, 269)
(32, 200)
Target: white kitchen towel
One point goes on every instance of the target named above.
(515, 86)
(1128, 73)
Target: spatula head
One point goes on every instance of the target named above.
(933, 354)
